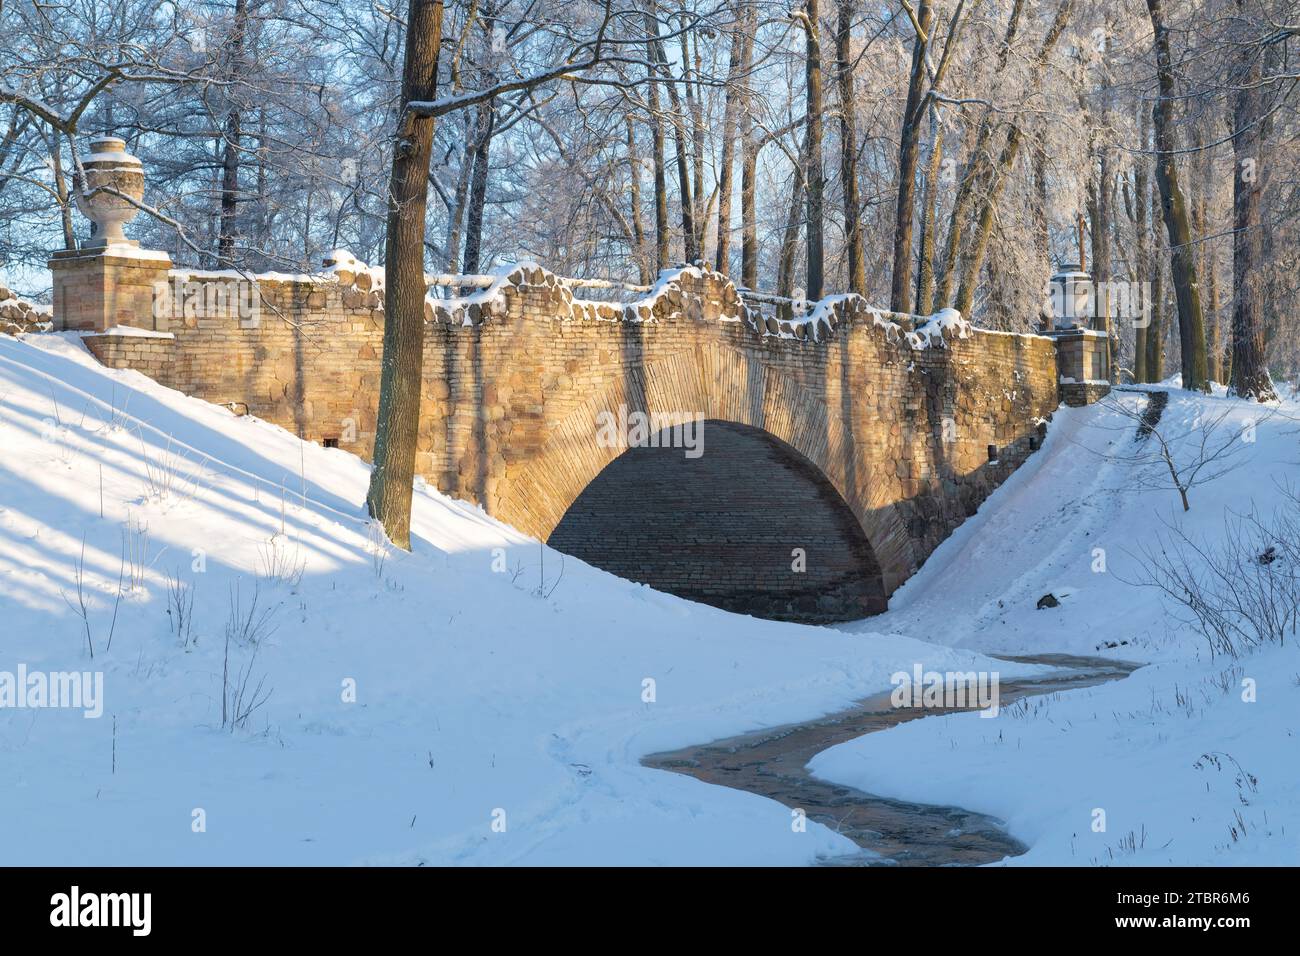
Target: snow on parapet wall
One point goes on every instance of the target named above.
(351, 271)
(934, 330)
(470, 310)
(668, 295)
(820, 319)
(815, 321)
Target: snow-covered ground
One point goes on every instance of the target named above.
(1194, 759)
(433, 708)
(473, 695)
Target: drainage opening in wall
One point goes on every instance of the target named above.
(993, 452)
(330, 442)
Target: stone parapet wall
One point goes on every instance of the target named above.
(912, 428)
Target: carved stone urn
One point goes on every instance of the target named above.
(110, 167)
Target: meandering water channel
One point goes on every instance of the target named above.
(773, 763)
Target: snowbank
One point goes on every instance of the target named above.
(432, 707)
(1179, 755)
(415, 699)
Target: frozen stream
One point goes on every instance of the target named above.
(773, 762)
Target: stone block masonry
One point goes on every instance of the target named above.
(911, 428)
(17, 315)
(95, 290)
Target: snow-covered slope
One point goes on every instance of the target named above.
(1194, 760)
(476, 700)
(433, 708)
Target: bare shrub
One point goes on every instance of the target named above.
(241, 695)
(377, 547)
(1240, 592)
(542, 591)
(80, 608)
(282, 560)
(117, 417)
(170, 473)
(135, 551)
(249, 623)
(1188, 457)
(180, 608)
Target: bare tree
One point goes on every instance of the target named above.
(844, 71)
(1191, 320)
(908, 149)
(1248, 124)
(389, 497)
(814, 173)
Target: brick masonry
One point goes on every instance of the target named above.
(748, 525)
(911, 437)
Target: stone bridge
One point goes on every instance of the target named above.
(839, 448)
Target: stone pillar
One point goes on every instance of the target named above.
(1082, 365)
(110, 280)
(95, 290)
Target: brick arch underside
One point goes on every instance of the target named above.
(698, 519)
(724, 384)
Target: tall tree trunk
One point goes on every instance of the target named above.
(690, 250)
(639, 252)
(1101, 226)
(231, 148)
(663, 232)
(1156, 332)
(925, 252)
(692, 65)
(1213, 330)
(748, 201)
(61, 188)
(1191, 320)
(1208, 264)
(857, 260)
(979, 245)
(460, 200)
(478, 187)
(1249, 374)
(229, 189)
(976, 169)
(974, 262)
(908, 147)
(1042, 232)
(263, 185)
(389, 496)
(737, 65)
(1142, 267)
(790, 238)
(816, 177)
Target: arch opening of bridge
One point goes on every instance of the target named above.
(747, 524)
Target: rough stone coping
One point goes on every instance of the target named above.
(677, 288)
(676, 293)
(18, 315)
